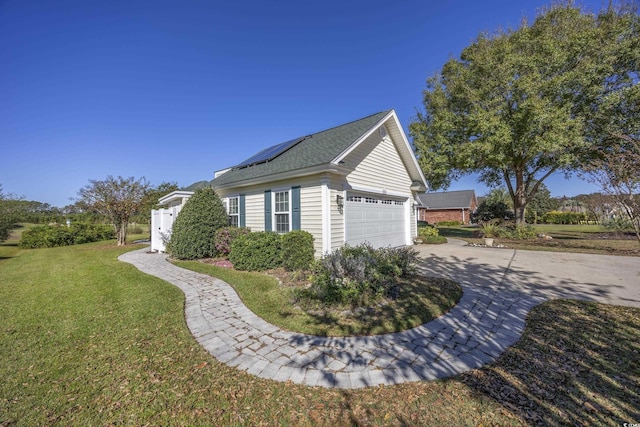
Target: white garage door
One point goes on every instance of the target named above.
(379, 220)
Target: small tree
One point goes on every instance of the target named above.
(541, 203)
(194, 230)
(151, 197)
(7, 216)
(115, 198)
(497, 204)
(616, 170)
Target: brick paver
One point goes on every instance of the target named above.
(486, 321)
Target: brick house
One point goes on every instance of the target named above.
(447, 206)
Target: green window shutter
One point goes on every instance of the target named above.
(267, 210)
(242, 220)
(295, 208)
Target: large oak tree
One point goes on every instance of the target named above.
(519, 105)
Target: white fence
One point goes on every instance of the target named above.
(161, 225)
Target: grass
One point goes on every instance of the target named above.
(578, 363)
(88, 340)
(585, 238)
(420, 300)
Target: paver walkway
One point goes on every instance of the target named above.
(489, 317)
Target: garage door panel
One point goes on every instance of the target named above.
(376, 221)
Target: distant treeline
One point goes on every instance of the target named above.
(29, 211)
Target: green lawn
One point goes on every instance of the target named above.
(420, 300)
(88, 340)
(566, 238)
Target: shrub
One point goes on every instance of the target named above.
(225, 237)
(491, 229)
(297, 250)
(49, 236)
(256, 251)
(358, 274)
(519, 232)
(618, 224)
(431, 235)
(490, 209)
(449, 223)
(556, 217)
(135, 229)
(194, 230)
(87, 233)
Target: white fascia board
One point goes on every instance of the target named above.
(174, 195)
(220, 172)
(413, 161)
(330, 168)
(359, 141)
(375, 190)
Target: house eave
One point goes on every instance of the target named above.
(174, 195)
(315, 170)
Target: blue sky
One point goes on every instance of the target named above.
(173, 91)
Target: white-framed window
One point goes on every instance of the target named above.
(370, 200)
(282, 211)
(233, 210)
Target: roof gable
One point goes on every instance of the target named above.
(447, 199)
(317, 149)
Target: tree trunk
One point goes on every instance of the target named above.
(121, 233)
(520, 199)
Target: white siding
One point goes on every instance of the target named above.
(311, 213)
(377, 164)
(337, 216)
(254, 209)
(310, 205)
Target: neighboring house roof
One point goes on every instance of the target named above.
(317, 150)
(447, 199)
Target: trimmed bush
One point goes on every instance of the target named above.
(194, 231)
(257, 251)
(449, 223)
(297, 250)
(49, 236)
(225, 237)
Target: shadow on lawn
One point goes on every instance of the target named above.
(577, 363)
(416, 300)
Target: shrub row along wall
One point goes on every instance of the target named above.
(264, 250)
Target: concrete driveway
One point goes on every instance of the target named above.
(548, 275)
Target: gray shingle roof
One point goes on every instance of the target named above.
(321, 148)
(446, 199)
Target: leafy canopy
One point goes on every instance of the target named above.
(116, 198)
(517, 106)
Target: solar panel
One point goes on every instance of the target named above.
(270, 153)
